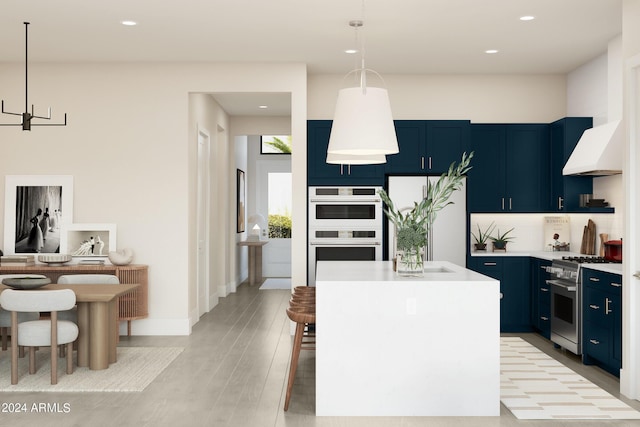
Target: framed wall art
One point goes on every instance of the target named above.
(35, 209)
(88, 241)
(241, 200)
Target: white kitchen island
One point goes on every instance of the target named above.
(397, 346)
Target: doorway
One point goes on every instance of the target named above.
(274, 197)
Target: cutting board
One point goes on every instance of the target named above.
(588, 246)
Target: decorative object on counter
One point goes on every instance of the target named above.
(557, 233)
(54, 259)
(603, 238)
(411, 228)
(588, 246)
(483, 236)
(500, 241)
(613, 250)
(122, 257)
(584, 200)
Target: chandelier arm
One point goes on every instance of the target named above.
(48, 117)
(51, 124)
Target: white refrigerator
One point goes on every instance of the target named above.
(448, 238)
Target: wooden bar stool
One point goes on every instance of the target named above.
(302, 316)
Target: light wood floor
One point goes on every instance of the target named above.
(233, 373)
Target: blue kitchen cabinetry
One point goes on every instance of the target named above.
(515, 296)
(511, 168)
(602, 327)
(428, 146)
(540, 297)
(566, 190)
(319, 172)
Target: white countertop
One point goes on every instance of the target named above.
(382, 271)
(614, 268)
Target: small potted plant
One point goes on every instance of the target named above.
(483, 236)
(500, 240)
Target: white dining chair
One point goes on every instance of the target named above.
(40, 333)
(5, 316)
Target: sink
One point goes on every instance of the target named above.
(437, 269)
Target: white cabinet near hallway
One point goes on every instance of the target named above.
(406, 346)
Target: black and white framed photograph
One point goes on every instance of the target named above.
(87, 241)
(241, 202)
(35, 209)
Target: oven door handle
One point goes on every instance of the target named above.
(570, 288)
(346, 201)
(344, 244)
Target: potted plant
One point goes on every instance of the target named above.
(500, 240)
(411, 228)
(483, 236)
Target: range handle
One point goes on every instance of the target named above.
(564, 285)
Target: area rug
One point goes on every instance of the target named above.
(276, 283)
(534, 386)
(135, 369)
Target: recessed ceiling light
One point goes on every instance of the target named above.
(263, 107)
(491, 51)
(527, 18)
(129, 23)
(351, 51)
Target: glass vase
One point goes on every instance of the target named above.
(410, 263)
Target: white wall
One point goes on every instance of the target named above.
(479, 98)
(130, 145)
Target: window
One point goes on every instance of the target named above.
(280, 197)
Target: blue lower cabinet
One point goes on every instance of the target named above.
(602, 314)
(540, 297)
(515, 294)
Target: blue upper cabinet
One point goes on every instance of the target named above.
(510, 168)
(428, 146)
(319, 172)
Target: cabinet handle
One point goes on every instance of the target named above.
(422, 162)
(594, 279)
(544, 318)
(593, 306)
(341, 170)
(596, 342)
(510, 208)
(560, 205)
(490, 264)
(544, 289)
(617, 285)
(348, 169)
(430, 167)
(607, 310)
(501, 295)
(503, 203)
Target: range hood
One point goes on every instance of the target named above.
(599, 152)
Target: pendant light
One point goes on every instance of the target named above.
(362, 123)
(27, 116)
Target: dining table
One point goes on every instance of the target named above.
(97, 321)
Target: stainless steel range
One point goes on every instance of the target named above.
(566, 300)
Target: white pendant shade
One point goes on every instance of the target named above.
(363, 124)
(350, 159)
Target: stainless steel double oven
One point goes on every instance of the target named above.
(345, 224)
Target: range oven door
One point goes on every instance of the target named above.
(565, 315)
(342, 245)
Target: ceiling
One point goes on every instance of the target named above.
(401, 36)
